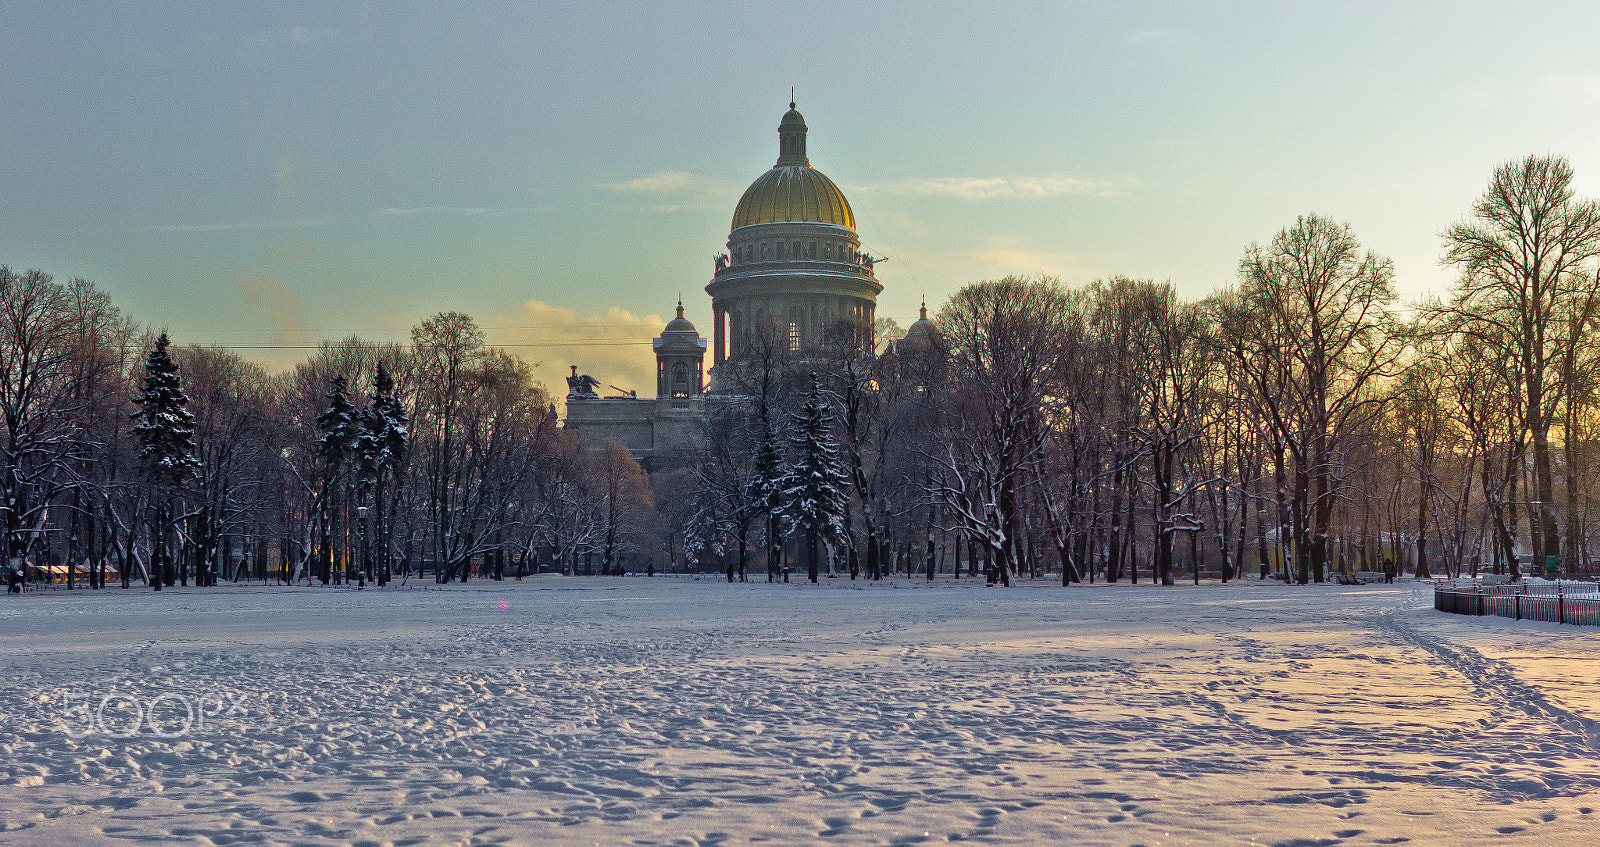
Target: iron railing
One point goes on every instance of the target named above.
(1578, 603)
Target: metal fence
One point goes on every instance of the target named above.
(1554, 603)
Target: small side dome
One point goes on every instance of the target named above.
(922, 334)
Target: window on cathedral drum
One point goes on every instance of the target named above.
(794, 335)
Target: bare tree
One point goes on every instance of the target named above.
(1522, 253)
(1005, 340)
(1312, 333)
(238, 437)
(40, 405)
(1172, 371)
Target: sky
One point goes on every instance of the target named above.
(266, 175)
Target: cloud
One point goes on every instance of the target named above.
(297, 224)
(292, 249)
(992, 188)
(1573, 89)
(679, 190)
(660, 182)
(902, 224)
(286, 169)
(456, 210)
(1002, 255)
(259, 287)
(614, 347)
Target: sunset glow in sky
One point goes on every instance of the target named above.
(260, 174)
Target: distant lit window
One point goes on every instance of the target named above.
(794, 335)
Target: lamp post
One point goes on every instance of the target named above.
(361, 537)
(1535, 518)
(383, 546)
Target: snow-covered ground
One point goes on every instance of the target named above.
(667, 711)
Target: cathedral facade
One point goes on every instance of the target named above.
(794, 275)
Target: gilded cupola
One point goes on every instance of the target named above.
(793, 191)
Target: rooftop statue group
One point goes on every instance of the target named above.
(581, 386)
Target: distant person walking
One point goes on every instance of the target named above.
(1388, 570)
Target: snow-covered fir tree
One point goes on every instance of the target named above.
(380, 450)
(391, 437)
(764, 492)
(165, 427)
(337, 423)
(334, 447)
(165, 430)
(814, 489)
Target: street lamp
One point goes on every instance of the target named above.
(361, 536)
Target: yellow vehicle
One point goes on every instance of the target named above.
(57, 574)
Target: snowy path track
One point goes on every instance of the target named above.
(629, 711)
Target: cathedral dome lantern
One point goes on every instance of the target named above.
(792, 138)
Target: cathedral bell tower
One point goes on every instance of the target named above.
(680, 360)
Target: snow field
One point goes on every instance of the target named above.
(668, 711)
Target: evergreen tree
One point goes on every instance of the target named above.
(334, 447)
(380, 450)
(814, 488)
(392, 439)
(708, 528)
(165, 430)
(764, 492)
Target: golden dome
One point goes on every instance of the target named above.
(793, 193)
